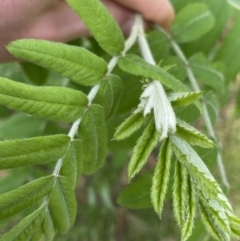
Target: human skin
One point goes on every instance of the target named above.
(55, 20)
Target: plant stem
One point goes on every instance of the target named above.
(113, 62)
(206, 116)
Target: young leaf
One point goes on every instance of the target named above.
(26, 228)
(36, 150)
(56, 103)
(72, 163)
(200, 175)
(103, 26)
(93, 134)
(180, 189)
(206, 72)
(192, 135)
(137, 66)
(48, 227)
(143, 149)
(191, 23)
(109, 94)
(21, 198)
(184, 99)
(137, 194)
(75, 63)
(191, 210)
(129, 126)
(161, 177)
(215, 223)
(62, 204)
(209, 225)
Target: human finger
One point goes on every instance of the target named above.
(158, 11)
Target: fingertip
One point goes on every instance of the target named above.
(162, 14)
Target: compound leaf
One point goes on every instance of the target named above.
(62, 204)
(191, 23)
(103, 26)
(72, 163)
(192, 135)
(129, 126)
(109, 94)
(26, 228)
(56, 103)
(137, 66)
(36, 150)
(75, 63)
(161, 177)
(143, 149)
(93, 134)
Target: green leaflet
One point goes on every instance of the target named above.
(200, 175)
(101, 24)
(207, 72)
(56, 103)
(75, 63)
(36, 150)
(72, 163)
(109, 94)
(62, 205)
(47, 227)
(137, 194)
(21, 198)
(143, 149)
(191, 23)
(137, 66)
(26, 228)
(93, 134)
(208, 223)
(161, 177)
(129, 126)
(180, 189)
(191, 204)
(184, 99)
(216, 225)
(35, 73)
(192, 135)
